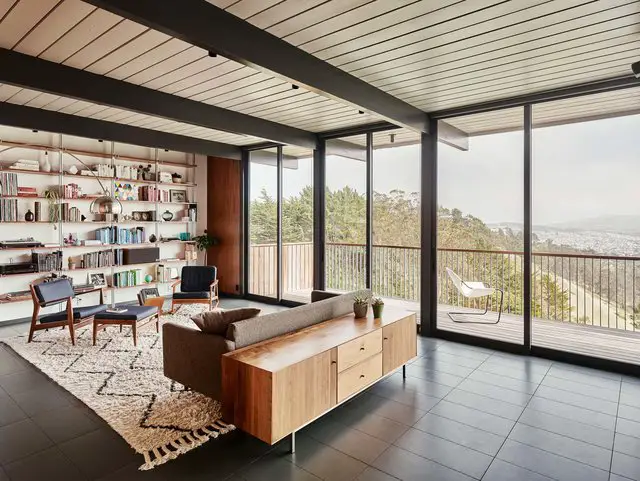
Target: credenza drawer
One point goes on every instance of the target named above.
(353, 352)
(357, 377)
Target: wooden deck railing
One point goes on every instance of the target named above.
(580, 288)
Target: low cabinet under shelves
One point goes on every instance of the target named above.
(276, 387)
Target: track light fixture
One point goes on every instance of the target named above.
(212, 54)
(294, 87)
(361, 112)
(392, 138)
(635, 67)
(35, 131)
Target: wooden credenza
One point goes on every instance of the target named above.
(274, 388)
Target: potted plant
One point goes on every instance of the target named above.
(203, 242)
(176, 178)
(378, 305)
(54, 209)
(360, 306)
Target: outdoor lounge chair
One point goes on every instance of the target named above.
(474, 290)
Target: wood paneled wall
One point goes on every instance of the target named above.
(224, 220)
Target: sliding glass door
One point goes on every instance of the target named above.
(480, 258)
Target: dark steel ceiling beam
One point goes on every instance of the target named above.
(56, 122)
(38, 74)
(211, 28)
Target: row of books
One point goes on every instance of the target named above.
(130, 278)
(71, 191)
(121, 235)
(69, 214)
(166, 273)
(153, 193)
(47, 261)
(8, 183)
(120, 171)
(26, 164)
(8, 210)
(102, 258)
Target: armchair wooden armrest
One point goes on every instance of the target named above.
(100, 289)
(175, 284)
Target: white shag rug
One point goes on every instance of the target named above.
(126, 387)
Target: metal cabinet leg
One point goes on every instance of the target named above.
(404, 371)
(293, 442)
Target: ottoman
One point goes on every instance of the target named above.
(134, 316)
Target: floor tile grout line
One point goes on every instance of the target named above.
(514, 425)
(615, 430)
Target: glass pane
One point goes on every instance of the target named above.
(586, 242)
(297, 224)
(263, 223)
(396, 218)
(480, 222)
(346, 179)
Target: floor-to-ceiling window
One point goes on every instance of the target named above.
(480, 226)
(345, 209)
(586, 228)
(262, 262)
(395, 252)
(297, 224)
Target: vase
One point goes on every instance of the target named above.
(29, 217)
(360, 310)
(377, 311)
(46, 166)
(167, 216)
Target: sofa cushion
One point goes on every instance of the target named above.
(217, 321)
(251, 331)
(132, 313)
(78, 313)
(191, 295)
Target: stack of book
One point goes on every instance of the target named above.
(69, 214)
(121, 235)
(26, 164)
(8, 210)
(47, 261)
(153, 194)
(27, 192)
(71, 191)
(8, 184)
(102, 258)
(127, 278)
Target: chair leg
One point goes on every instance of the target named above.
(32, 329)
(134, 333)
(484, 313)
(95, 332)
(72, 332)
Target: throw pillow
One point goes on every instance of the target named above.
(217, 321)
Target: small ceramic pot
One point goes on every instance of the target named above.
(377, 311)
(360, 310)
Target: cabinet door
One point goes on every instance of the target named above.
(399, 343)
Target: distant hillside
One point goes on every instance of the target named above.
(621, 224)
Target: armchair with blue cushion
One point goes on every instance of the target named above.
(61, 291)
(198, 285)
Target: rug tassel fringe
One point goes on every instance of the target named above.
(197, 437)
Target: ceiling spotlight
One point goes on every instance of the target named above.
(294, 87)
(166, 150)
(34, 131)
(361, 111)
(100, 140)
(635, 67)
(212, 54)
(392, 138)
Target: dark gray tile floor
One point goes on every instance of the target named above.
(462, 413)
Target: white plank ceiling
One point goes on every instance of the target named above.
(433, 54)
(65, 105)
(448, 53)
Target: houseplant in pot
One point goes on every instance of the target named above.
(203, 242)
(360, 306)
(378, 305)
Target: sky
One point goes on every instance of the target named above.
(580, 171)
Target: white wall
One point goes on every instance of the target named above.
(48, 233)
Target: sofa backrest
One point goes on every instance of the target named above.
(257, 329)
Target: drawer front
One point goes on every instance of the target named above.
(356, 351)
(359, 376)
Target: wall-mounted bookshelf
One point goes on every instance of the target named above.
(163, 181)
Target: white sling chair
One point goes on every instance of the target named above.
(474, 290)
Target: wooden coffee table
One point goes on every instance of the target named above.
(134, 316)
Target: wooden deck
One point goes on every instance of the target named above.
(614, 344)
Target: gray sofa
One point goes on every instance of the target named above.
(193, 358)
